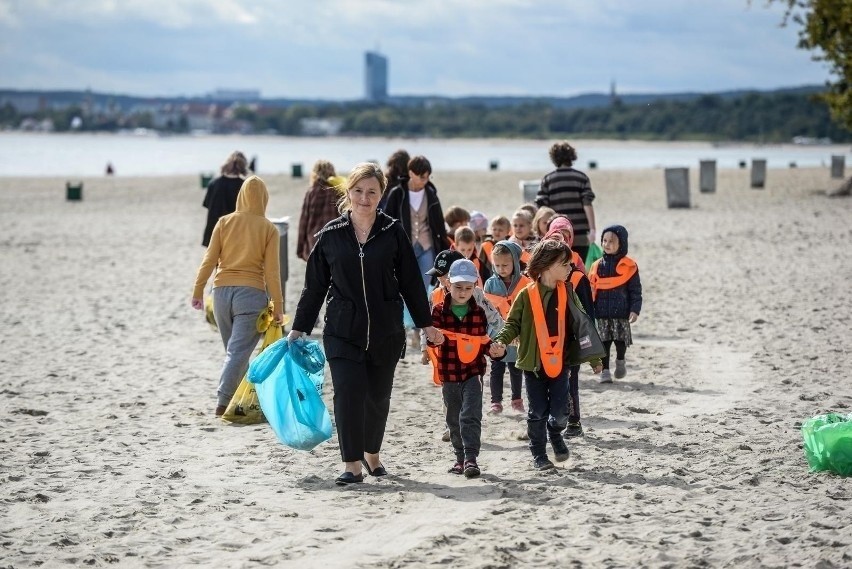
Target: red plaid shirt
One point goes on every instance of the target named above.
(450, 367)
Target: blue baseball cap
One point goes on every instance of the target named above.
(463, 271)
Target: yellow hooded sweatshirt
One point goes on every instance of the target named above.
(245, 246)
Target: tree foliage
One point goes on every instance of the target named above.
(826, 28)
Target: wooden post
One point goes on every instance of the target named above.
(677, 187)
(758, 173)
(838, 165)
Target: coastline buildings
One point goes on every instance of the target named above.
(375, 76)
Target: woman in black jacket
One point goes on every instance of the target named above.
(364, 266)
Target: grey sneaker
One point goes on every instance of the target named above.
(573, 430)
(606, 376)
(620, 369)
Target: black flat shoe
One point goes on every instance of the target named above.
(348, 478)
(377, 471)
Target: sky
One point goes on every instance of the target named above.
(315, 48)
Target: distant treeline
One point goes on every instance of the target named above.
(757, 117)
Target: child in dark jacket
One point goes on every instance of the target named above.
(617, 294)
(461, 364)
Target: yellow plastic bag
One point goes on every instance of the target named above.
(208, 312)
(244, 407)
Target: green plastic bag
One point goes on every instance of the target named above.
(595, 253)
(828, 443)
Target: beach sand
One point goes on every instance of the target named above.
(111, 453)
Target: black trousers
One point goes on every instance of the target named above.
(463, 400)
(620, 351)
(362, 393)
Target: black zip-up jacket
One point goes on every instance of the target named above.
(399, 206)
(364, 292)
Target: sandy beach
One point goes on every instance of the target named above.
(112, 455)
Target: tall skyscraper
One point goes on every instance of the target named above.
(375, 76)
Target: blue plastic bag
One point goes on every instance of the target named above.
(289, 387)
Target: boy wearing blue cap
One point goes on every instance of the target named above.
(461, 364)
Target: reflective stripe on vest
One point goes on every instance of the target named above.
(433, 357)
(625, 269)
(467, 346)
(549, 347)
(575, 278)
(504, 303)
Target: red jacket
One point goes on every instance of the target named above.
(450, 366)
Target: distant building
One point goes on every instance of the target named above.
(375, 76)
(321, 127)
(235, 95)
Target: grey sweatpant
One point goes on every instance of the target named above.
(236, 309)
(463, 400)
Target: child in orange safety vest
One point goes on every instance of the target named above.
(561, 229)
(617, 294)
(461, 364)
(501, 289)
(554, 333)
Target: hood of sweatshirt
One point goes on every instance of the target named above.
(563, 227)
(253, 197)
(494, 284)
(621, 233)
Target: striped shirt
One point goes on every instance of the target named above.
(567, 190)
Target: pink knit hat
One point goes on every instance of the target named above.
(562, 227)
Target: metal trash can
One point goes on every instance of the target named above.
(677, 187)
(707, 176)
(297, 170)
(593, 164)
(283, 224)
(758, 173)
(838, 165)
(494, 165)
(74, 191)
(529, 189)
(205, 180)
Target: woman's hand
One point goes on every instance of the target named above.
(632, 318)
(278, 317)
(433, 335)
(294, 335)
(197, 303)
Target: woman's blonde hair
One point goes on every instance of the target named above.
(546, 253)
(322, 170)
(235, 164)
(359, 173)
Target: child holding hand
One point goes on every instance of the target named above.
(550, 340)
(617, 294)
(461, 364)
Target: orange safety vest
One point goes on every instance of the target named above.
(549, 347)
(525, 256)
(433, 357)
(504, 303)
(624, 271)
(576, 277)
(486, 248)
(438, 295)
(467, 346)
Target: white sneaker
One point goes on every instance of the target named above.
(606, 376)
(620, 369)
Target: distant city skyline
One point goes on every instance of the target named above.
(446, 47)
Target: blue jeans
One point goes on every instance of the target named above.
(425, 261)
(548, 410)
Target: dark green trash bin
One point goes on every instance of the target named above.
(297, 170)
(205, 180)
(74, 191)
